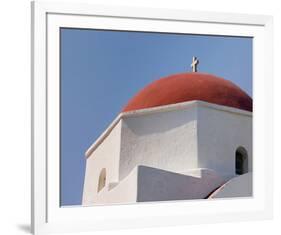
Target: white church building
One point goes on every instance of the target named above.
(185, 136)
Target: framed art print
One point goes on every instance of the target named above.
(145, 117)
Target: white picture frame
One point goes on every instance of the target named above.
(47, 215)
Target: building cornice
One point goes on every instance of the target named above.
(160, 109)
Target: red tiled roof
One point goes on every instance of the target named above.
(187, 87)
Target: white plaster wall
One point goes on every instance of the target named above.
(166, 140)
(220, 133)
(201, 173)
(159, 185)
(240, 186)
(105, 156)
(124, 191)
(179, 140)
(145, 184)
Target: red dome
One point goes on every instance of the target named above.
(187, 87)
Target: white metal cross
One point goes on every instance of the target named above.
(194, 64)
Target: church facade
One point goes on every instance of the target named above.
(185, 136)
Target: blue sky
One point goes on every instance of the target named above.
(102, 70)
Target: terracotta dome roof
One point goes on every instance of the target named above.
(187, 87)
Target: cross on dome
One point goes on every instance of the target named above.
(194, 64)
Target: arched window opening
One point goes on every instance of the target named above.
(241, 161)
(102, 179)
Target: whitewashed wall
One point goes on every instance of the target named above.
(159, 185)
(153, 184)
(220, 133)
(177, 138)
(239, 186)
(106, 155)
(124, 192)
(165, 140)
